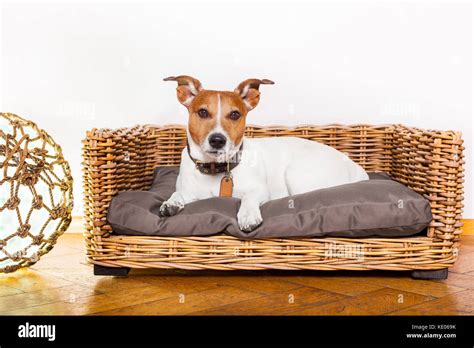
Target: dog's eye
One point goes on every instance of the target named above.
(234, 115)
(203, 113)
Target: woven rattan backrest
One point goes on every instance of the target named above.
(370, 146)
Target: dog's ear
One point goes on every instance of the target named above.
(188, 88)
(248, 91)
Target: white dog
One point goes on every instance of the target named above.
(220, 161)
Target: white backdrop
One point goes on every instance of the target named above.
(71, 67)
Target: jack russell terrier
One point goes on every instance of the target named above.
(219, 161)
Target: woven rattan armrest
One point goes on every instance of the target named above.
(432, 163)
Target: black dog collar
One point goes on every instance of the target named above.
(217, 167)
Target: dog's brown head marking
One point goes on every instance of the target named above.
(217, 118)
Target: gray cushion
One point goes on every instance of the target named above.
(375, 207)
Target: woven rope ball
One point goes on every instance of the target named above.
(35, 193)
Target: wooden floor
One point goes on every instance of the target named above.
(62, 283)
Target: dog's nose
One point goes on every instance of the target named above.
(217, 141)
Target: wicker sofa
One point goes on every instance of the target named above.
(430, 162)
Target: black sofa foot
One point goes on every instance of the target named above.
(430, 274)
(111, 271)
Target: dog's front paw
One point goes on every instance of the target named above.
(169, 208)
(249, 219)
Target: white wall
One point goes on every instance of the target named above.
(71, 67)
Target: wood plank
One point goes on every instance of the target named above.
(468, 228)
(193, 302)
(76, 226)
(277, 303)
(403, 282)
(181, 283)
(460, 280)
(83, 275)
(192, 281)
(63, 264)
(265, 285)
(105, 284)
(60, 249)
(75, 270)
(97, 303)
(74, 240)
(467, 239)
(464, 263)
(67, 293)
(372, 303)
(461, 303)
(28, 280)
(466, 248)
(334, 283)
(6, 290)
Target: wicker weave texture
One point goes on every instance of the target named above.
(430, 162)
